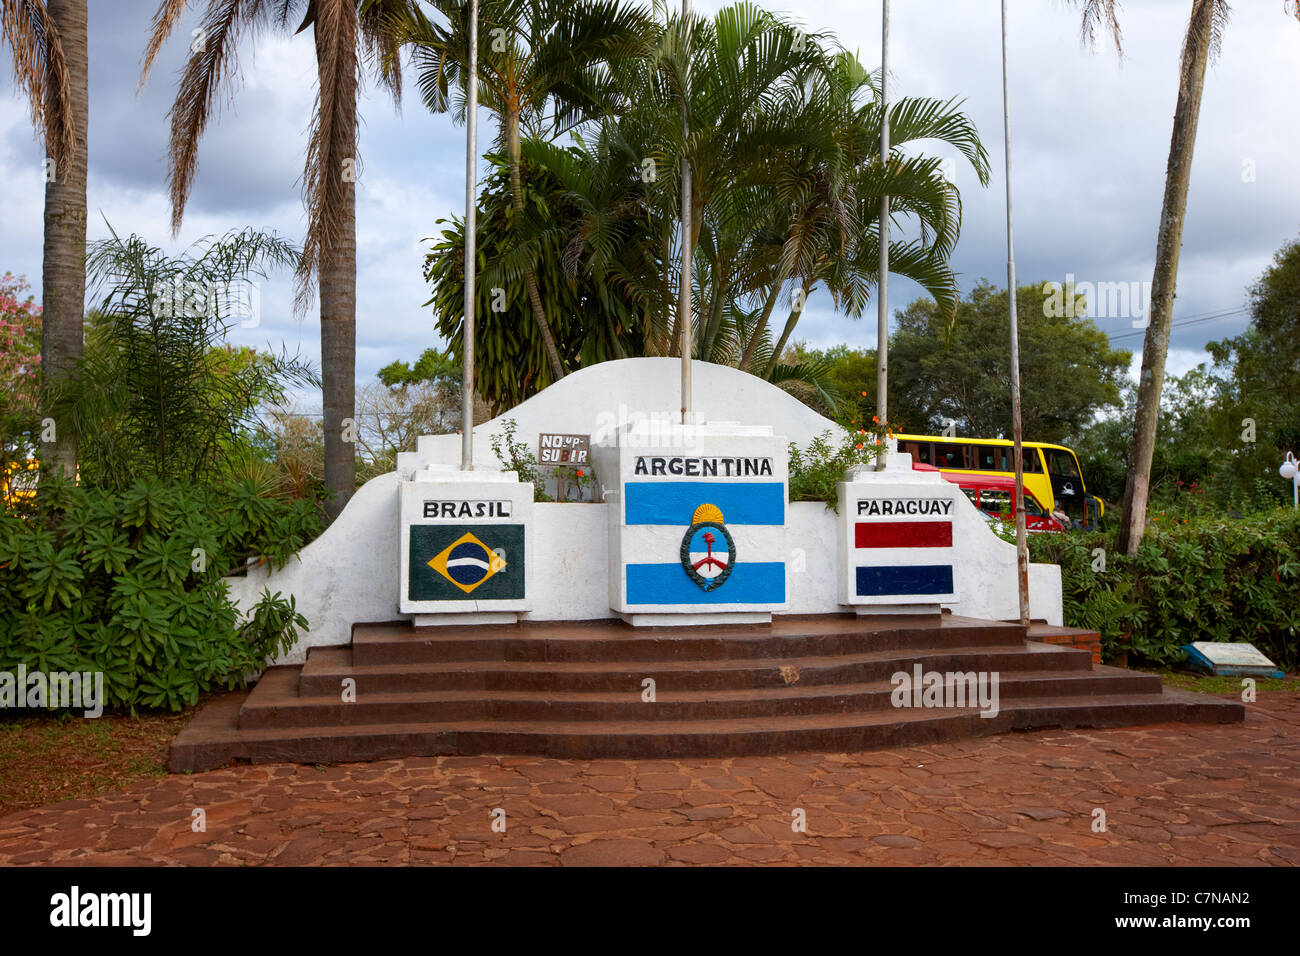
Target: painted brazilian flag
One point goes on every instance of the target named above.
(460, 562)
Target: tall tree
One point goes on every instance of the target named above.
(543, 69)
(786, 183)
(1258, 376)
(344, 33)
(50, 65)
(846, 256)
(1200, 45)
(959, 373)
(596, 320)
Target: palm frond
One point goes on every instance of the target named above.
(41, 71)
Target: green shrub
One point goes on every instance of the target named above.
(129, 583)
(1206, 578)
(518, 457)
(816, 470)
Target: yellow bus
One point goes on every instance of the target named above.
(1052, 472)
(18, 481)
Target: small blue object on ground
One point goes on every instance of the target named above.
(1230, 659)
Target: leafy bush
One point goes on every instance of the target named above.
(816, 470)
(159, 390)
(518, 457)
(1209, 578)
(129, 583)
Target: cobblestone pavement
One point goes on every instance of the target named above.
(1171, 794)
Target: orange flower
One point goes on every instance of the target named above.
(579, 472)
(864, 394)
(876, 419)
(859, 446)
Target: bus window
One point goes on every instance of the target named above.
(950, 455)
(1061, 463)
(1032, 507)
(919, 450)
(994, 501)
(993, 457)
(1033, 461)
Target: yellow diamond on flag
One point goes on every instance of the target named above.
(467, 562)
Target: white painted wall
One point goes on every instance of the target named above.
(350, 574)
(597, 399)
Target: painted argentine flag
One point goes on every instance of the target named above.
(705, 542)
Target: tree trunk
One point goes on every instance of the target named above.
(530, 279)
(1137, 484)
(791, 321)
(63, 271)
(716, 309)
(338, 319)
(761, 325)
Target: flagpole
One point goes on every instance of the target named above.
(471, 196)
(1022, 543)
(882, 296)
(686, 342)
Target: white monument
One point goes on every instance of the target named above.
(576, 556)
(697, 521)
(465, 546)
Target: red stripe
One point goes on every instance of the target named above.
(903, 534)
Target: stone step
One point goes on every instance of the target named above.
(276, 701)
(326, 668)
(786, 637)
(574, 690)
(214, 738)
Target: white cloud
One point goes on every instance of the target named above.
(1091, 138)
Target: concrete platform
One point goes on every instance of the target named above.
(802, 683)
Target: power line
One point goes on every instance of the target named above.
(1183, 323)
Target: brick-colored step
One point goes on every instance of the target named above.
(276, 701)
(326, 668)
(1067, 637)
(600, 641)
(574, 690)
(216, 738)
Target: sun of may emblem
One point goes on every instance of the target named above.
(467, 562)
(708, 551)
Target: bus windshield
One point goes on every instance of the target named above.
(1061, 463)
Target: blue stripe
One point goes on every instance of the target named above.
(674, 502)
(916, 579)
(756, 582)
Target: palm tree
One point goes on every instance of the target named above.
(344, 33)
(830, 234)
(543, 71)
(48, 41)
(749, 72)
(786, 182)
(1200, 46)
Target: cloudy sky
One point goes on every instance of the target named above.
(1091, 138)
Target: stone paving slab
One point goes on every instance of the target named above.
(1171, 794)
